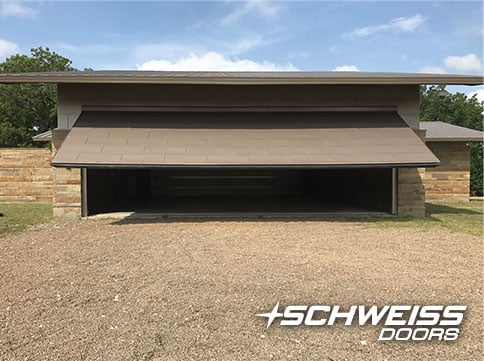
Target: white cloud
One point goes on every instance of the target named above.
(16, 8)
(244, 45)
(167, 50)
(7, 48)
(262, 8)
(478, 93)
(403, 24)
(346, 68)
(212, 61)
(408, 25)
(176, 50)
(467, 64)
(128, 57)
(432, 70)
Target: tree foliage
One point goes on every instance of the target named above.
(460, 110)
(29, 109)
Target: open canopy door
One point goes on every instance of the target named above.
(131, 139)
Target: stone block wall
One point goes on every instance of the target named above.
(25, 175)
(66, 186)
(411, 193)
(451, 180)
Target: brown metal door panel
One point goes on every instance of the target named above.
(242, 139)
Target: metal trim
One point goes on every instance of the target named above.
(250, 108)
(208, 166)
(241, 78)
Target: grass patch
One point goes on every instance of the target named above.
(19, 216)
(464, 217)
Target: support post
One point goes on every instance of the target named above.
(84, 209)
(394, 191)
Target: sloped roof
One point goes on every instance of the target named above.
(445, 132)
(43, 137)
(245, 77)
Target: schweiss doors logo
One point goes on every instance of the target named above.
(402, 322)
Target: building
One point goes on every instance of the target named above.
(450, 181)
(236, 143)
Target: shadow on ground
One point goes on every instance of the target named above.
(435, 208)
(433, 212)
(136, 218)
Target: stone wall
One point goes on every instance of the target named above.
(67, 185)
(411, 193)
(25, 175)
(451, 180)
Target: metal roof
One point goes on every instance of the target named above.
(312, 139)
(445, 132)
(194, 77)
(43, 137)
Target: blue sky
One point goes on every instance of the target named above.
(410, 36)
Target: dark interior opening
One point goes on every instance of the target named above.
(238, 190)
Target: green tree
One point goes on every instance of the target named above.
(460, 110)
(29, 109)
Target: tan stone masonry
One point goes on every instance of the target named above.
(411, 193)
(451, 180)
(25, 175)
(67, 185)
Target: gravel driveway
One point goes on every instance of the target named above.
(107, 290)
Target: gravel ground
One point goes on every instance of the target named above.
(107, 290)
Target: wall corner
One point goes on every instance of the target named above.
(66, 189)
(411, 193)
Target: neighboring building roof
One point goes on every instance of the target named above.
(284, 139)
(194, 77)
(43, 137)
(445, 132)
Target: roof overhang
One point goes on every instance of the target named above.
(43, 137)
(454, 139)
(444, 132)
(240, 78)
